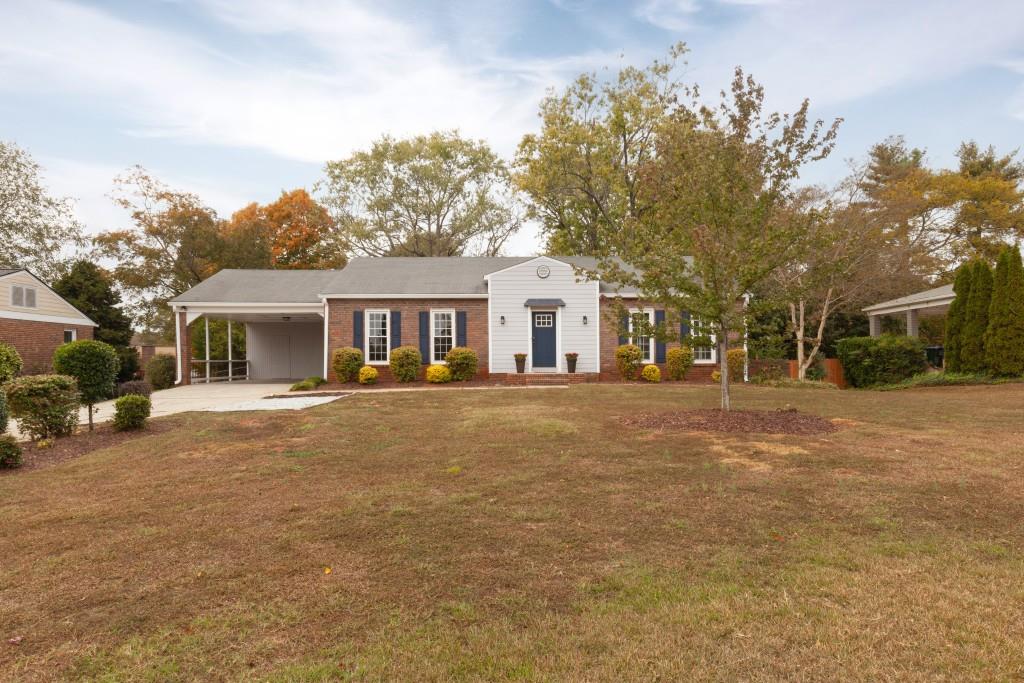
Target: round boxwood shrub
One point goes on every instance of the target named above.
(368, 375)
(10, 363)
(651, 373)
(346, 363)
(94, 365)
(462, 362)
(628, 358)
(160, 371)
(405, 363)
(438, 374)
(10, 452)
(880, 360)
(131, 412)
(735, 359)
(678, 362)
(137, 387)
(44, 405)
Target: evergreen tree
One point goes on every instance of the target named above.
(956, 317)
(972, 349)
(1004, 339)
(90, 289)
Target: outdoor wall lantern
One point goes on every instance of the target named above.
(502, 320)
(584, 320)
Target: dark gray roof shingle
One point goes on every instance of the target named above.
(260, 286)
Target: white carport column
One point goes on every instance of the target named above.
(875, 325)
(912, 327)
(229, 351)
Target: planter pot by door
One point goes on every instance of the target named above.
(520, 365)
(571, 364)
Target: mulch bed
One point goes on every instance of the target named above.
(70, 447)
(735, 421)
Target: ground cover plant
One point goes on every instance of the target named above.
(528, 535)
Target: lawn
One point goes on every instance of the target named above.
(529, 535)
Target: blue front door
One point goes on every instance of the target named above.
(543, 323)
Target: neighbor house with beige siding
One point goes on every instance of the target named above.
(36, 320)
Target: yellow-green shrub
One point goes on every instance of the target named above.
(651, 373)
(368, 375)
(735, 359)
(405, 363)
(678, 362)
(438, 374)
(716, 376)
(346, 362)
(628, 358)
(462, 362)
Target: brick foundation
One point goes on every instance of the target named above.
(36, 341)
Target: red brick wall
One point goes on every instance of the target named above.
(36, 341)
(339, 324)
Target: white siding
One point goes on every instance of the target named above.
(47, 303)
(510, 289)
(284, 350)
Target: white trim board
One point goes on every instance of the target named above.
(42, 318)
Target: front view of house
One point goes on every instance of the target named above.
(498, 306)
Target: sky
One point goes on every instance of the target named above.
(239, 100)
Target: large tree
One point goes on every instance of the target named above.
(174, 244)
(720, 224)
(431, 195)
(972, 335)
(294, 231)
(581, 171)
(37, 230)
(956, 318)
(1004, 338)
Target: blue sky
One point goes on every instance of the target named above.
(239, 100)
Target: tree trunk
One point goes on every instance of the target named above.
(723, 365)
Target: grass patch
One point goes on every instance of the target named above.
(942, 378)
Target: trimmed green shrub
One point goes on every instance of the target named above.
(735, 359)
(628, 359)
(161, 370)
(10, 452)
(308, 384)
(956, 316)
(368, 375)
(136, 387)
(10, 363)
(405, 362)
(94, 366)
(44, 405)
(438, 374)
(315, 380)
(678, 362)
(651, 373)
(972, 338)
(888, 359)
(462, 361)
(3, 412)
(131, 412)
(1004, 338)
(346, 363)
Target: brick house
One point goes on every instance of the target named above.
(498, 306)
(35, 320)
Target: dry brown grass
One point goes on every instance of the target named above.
(534, 539)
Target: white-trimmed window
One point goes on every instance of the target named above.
(442, 334)
(641, 321)
(70, 335)
(703, 354)
(378, 336)
(23, 297)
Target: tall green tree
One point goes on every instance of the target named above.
(431, 195)
(582, 171)
(972, 344)
(1004, 338)
(956, 318)
(37, 230)
(720, 225)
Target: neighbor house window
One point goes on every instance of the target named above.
(25, 297)
(640, 325)
(442, 330)
(702, 352)
(378, 328)
(70, 336)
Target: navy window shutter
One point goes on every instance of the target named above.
(659, 346)
(684, 327)
(357, 329)
(425, 337)
(460, 328)
(624, 331)
(396, 329)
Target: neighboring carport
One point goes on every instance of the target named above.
(929, 302)
(283, 317)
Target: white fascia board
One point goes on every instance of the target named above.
(43, 318)
(518, 265)
(933, 302)
(305, 305)
(403, 296)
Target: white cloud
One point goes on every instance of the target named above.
(674, 15)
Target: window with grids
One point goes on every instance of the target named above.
(700, 330)
(377, 324)
(640, 324)
(70, 336)
(25, 297)
(443, 328)
(544, 320)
